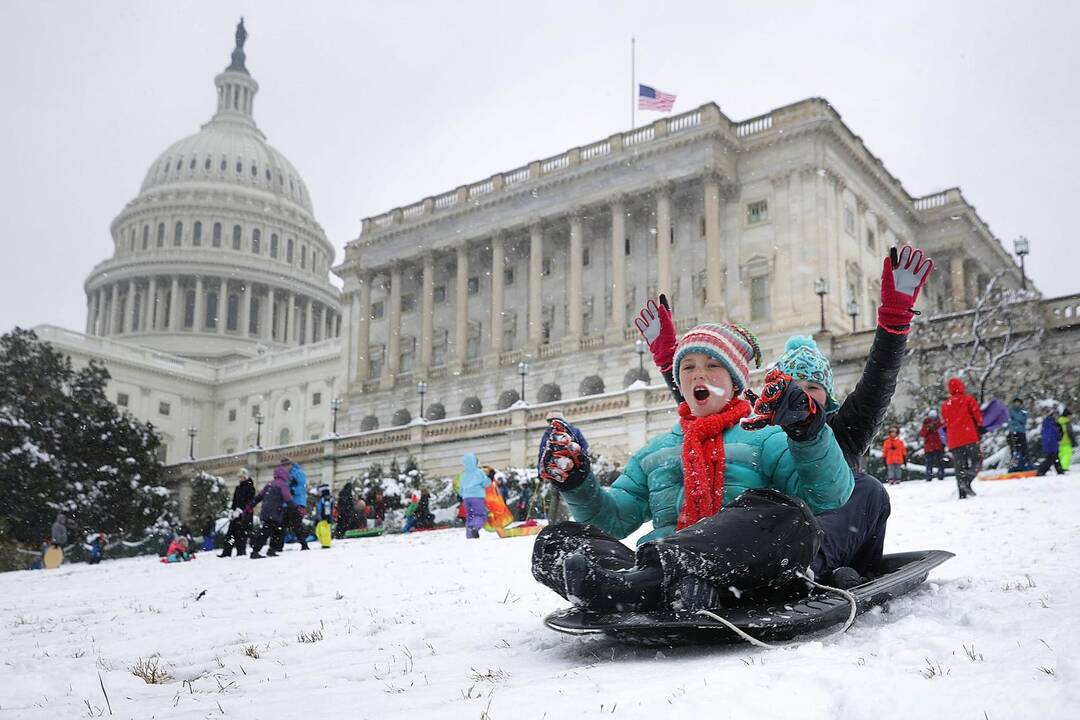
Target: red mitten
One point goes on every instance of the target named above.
(656, 326)
(765, 405)
(902, 278)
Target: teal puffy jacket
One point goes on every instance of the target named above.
(651, 485)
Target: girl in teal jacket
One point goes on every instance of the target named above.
(722, 447)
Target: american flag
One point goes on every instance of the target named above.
(652, 99)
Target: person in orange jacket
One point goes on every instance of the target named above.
(895, 452)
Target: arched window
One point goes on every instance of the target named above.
(591, 385)
(288, 251)
(239, 166)
(217, 235)
(236, 237)
(471, 405)
(145, 236)
(191, 165)
(196, 234)
(253, 317)
(273, 245)
(256, 241)
(285, 436)
(254, 171)
(401, 417)
(206, 165)
(179, 164)
(369, 423)
(224, 164)
(267, 174)
(232, 316)
(178, 234)
(189, 308)
(131, 240)
(303, 256)
(161, 235)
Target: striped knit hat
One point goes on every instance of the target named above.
(733, 345)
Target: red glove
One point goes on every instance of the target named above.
(902, 278)
(564, 457)
(784, 403)
(656, 326)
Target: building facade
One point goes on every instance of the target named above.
(547, 264)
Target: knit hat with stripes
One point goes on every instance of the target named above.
(733, 345)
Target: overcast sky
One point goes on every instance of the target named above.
(380, 104)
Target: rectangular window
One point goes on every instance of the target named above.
(375, 362)
(216, 240)
(164, 408)
(508, 276)
(161, 235)
(377, 309)
(587, 314)
(849, 221)
(545, 265)
(472, 341)
(626, 245)
(672, 235)
(759, 298)
(869, 239)
(273, 245)
(701, 222)
(254, 410)
(438, 350)
(196, 235)
(178, 234)
(586, 256)
(316, 399)
(232, 415)
(438, 294)
(509, 330)
(474, 285)
(408, 303)
(122, 399)
(757, 212)
(408, 354)
(236, 237)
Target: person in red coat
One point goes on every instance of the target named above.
(933, 447)
(963, 422)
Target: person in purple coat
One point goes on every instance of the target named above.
(275, 498)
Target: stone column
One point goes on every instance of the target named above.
(99, 314)
(714, 287)
(114, 309)
(971, 283)
(461, 293)
(574, 290)
(144, 312)
(223, 307)
(266, 315)
(363, 327)
(291, 336)
(309, 322)
(129, 308)
(88, 330)
(663, 240)
(617, 324)
(199, 321)
(393, 324)
(498, 278)
(175, 303)
(956, 276)
(427, 312)
(536, 261)
(152, 305)
(245, 310)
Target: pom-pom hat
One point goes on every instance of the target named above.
(803, 361)
(733, 345)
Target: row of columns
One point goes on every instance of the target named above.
(111, 310)
(360, 300)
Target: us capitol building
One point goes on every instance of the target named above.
(215, 312)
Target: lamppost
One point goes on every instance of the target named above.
(421, 387)
(335, 405)
(192, 432)
(258, 431)
(821, 289)
(639, 348)
(1022, 247)
(853, 311)
(523, 370)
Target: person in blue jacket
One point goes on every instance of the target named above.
(474, 484)
(1050, 439)
(774, 469)
(297, 508)
(1017, 437)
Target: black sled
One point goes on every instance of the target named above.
(777, 620)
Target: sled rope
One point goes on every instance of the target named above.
(768, 646)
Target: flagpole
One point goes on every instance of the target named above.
(633, 85)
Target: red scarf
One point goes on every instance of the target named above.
(703, 459)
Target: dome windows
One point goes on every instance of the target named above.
(196, 234)
(273, 245)
(145, 236)
(216, 240)
(179, 164)
(289, 251)
(256, 241)
(224, 164)
(161, 235)
(239, 166)
(254, 171)
(178, 234)
(303, 257)
(236, 237)
(207, 164)
(191, 165)
(268, 175)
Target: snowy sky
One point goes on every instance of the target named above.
(381, 104)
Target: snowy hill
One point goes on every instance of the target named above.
(430, 625)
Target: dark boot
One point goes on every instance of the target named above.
(844, 578)
(226, 552)
(255, 555)
(611, 590)
(967, 486)
(694, 593)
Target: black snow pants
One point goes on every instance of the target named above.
(294, 523)
(965, 458)
(754, 546)
(853, 535)
(270, 530)
(1052, 460)
(239, 530)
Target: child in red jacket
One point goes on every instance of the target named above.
(963, 422)
(895, 452)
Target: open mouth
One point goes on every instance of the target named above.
(701, 393)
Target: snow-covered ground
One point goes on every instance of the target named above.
(433, 626)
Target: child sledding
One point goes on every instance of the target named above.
(749, 498)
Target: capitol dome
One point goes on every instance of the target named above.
(221, 244)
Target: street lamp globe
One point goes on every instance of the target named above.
(1021, 246)
(821, 286)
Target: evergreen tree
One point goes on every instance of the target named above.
(210, 500)
(64, 447)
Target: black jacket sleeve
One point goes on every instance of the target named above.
(861, 414)
(669, 378)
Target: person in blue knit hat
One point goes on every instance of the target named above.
(803, 361)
